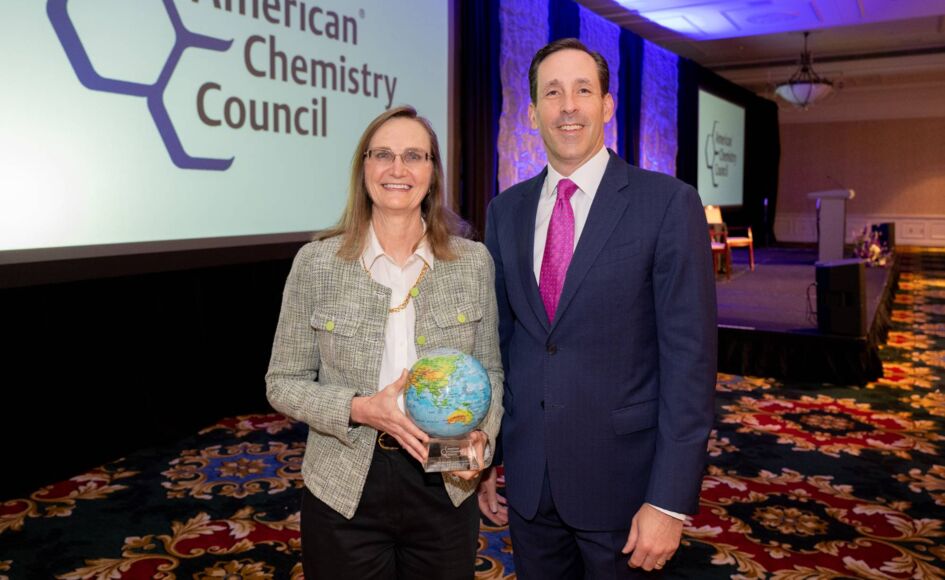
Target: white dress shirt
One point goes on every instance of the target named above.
(587, 177)
(400, 350)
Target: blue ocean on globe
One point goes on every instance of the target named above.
(448, 393)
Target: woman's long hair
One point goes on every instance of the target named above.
(442, 222)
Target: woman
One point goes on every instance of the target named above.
(392, 281)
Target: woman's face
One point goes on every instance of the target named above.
(397, 171)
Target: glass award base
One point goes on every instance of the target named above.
(451, 454)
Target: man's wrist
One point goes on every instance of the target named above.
(673, 514)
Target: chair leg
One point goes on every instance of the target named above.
(751, 257)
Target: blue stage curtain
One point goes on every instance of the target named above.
(687, 119)
(659, 103)
(631, 83)
(524, 26)
(480, 104)
(523, 31)
(603, 36)
(499, 38)
(564, 19)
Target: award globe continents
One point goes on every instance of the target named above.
(448, 394)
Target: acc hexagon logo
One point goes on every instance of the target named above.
(81, 62)
(712, 153)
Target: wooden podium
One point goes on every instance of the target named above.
(831, 222)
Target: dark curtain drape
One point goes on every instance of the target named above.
(160, 355)
(631, 87)
(564, 19)
(762, 146)
(687, 121)
(480, 105)
(763, 155)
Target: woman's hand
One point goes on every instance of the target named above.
(479, 440)
(382, 412)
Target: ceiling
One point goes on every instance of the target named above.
(860, 44)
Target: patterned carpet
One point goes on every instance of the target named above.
(805, 481)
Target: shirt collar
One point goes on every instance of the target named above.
(587, 177)
(373, 250)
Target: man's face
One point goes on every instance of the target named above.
(571, 109)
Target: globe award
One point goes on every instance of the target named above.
(448, 394)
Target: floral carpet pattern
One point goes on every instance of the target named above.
(805, 481)
(814, 480)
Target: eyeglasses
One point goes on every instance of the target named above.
(386, 157)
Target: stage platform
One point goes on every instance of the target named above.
(768, 322)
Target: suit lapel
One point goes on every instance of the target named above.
(608, 208)
(525, 246)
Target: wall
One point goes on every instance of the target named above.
(895, 166)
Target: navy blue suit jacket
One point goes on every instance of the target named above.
(615, 397)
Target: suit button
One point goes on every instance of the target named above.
(552, 348)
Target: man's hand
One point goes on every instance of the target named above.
(654, 538)
(479, 440)
(382, 412)
(491, 504)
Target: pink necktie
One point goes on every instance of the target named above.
(559, 246)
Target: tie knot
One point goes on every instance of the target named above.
(566, 189)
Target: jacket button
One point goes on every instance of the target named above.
(461, 318)
(552, 348)
(330, 325)
(421, 340)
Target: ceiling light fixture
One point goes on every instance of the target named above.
(805, 87)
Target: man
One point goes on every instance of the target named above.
(607, 320)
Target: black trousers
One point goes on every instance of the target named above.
(405, 527)
(546, 548)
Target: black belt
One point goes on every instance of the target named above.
(387, 442)
(391, 448)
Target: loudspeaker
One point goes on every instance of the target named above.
(841, 297)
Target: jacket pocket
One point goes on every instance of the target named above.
(340, 321)
(453, 315)
(619, 253)
(336, 329)
(455, 325)
(636, 417)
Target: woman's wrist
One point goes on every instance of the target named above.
(357, 411)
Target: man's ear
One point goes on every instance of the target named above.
(609, 107)
(533, 115)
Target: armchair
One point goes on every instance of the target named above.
(721, 252)
(745, 241)
(713, 215)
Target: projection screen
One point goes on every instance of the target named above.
(135, 126)
(721, 154)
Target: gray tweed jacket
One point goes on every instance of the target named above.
(328, 348)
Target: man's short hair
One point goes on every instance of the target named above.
(603, 71)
